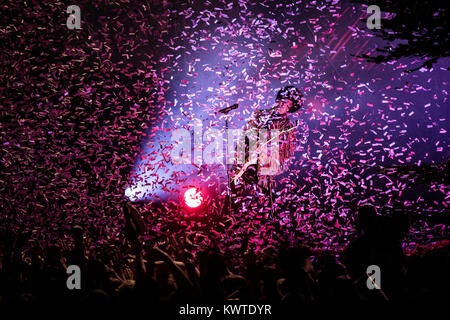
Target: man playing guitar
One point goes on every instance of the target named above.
(270, 142)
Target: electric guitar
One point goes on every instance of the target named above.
(258, 151)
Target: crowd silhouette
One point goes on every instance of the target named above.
(172, 271)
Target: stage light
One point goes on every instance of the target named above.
(193, 197)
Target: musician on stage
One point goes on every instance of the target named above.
(270, 142)
(270, 138)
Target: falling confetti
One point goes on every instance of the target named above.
(88, 116)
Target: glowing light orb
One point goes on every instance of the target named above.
(193, 198)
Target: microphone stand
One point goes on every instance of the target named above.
(226, 112)
(269, 177)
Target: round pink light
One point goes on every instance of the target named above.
(193, 197)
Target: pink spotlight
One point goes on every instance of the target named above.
(193, 197)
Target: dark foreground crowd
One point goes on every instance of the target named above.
(171, 271)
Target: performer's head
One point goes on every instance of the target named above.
(289, 99)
